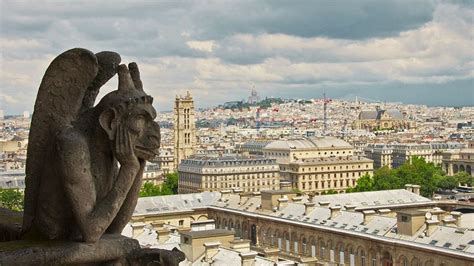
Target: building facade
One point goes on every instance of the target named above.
(318, 164)
(248, 174)
(184, 128)
(461, 160)
(380, 119)
(393, 227)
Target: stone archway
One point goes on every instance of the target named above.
(387, 259)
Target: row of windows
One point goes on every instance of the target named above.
(330, 176)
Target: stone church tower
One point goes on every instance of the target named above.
(184, 128)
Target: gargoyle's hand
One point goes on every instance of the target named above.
(124, 143)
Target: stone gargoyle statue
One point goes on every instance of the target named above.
(85, 162)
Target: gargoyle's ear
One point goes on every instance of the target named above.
(108, 122)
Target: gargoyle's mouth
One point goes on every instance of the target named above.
(147, 151)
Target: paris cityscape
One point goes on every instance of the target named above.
(265, 140)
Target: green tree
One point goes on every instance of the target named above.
(464, 178)
(12, 199)
(364, 183)
(171, 182)
(149, 189)
(384, 179)
(447, 182)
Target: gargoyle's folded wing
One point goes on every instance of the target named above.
(58, 104)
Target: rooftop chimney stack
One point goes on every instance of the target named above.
(457, 216)
(335, 211)
(368, 215)
(282, 203)
(248, 258)
(210, 250)
(309, 207)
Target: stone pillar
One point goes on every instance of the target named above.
(210, 250)
(308, 207)
(368, 215)
(282, 203)
(137, 229)
(457, 215)
(335, 211)
(431, 226)
(248, 258)
(416, 189)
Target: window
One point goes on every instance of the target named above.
(181, 222)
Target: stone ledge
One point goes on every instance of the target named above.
(26, 252)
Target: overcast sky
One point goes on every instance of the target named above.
(409, 51)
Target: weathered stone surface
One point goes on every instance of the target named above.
(28, 252)
(75, 188)
(84, 166)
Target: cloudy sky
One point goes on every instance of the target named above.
(410, 51)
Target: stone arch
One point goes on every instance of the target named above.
(387, 258)
(402, 261)
(462, 168)
(245, 230)
(287, 241)
(415, 262)
(429, 262)
(231, 225)
(323, 251)
(349, 251)
(279, 239)
(238, 229)
(304, 244)
(469, 169)
(202, 217)
(218, 222)
(224, 223)
(372, 256)
(339, 254)
(455, 168)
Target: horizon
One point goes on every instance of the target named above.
(393, 51)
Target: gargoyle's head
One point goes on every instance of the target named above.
(132, 108)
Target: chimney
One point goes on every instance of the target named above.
(248, 258)
(368, 215)
(416, 189)
(349, 207)
(282, 203)
(384, 211)
(163, 234)
(137, 229)
(210, 250)
(431, 226)
(449, 221)
(308, 208)
(243, 198)
(297, 199)
(457, 216)
(240, 245)
(439, 213)
(225, 194)
(324, 203)
(335, 211)
(409, 187)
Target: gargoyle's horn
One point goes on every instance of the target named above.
(125, 80)
(135, 73)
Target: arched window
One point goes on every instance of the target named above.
(362, 258)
